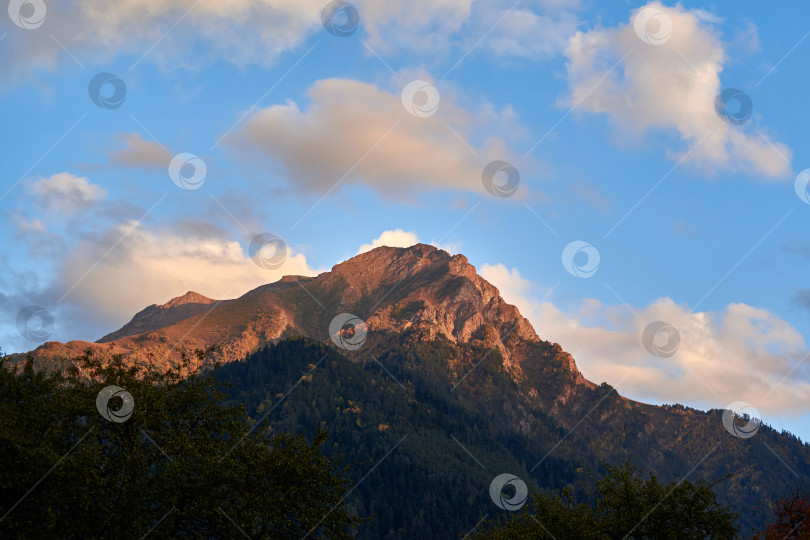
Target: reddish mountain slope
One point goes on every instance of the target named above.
(420, 289)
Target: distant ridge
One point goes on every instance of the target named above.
(155, 316)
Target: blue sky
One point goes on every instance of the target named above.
(305, 134)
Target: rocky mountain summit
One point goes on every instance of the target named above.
(421, 290)
(155, 316)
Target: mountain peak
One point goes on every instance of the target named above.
(293, 279)
(160, 316)
(384, 264)
(190, 297)
(387, 254)
(424, 287)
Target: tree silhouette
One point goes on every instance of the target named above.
(626, 506)
(181, 465)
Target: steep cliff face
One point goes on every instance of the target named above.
(424, 287)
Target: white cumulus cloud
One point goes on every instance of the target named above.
(152, 266)
(394, 238)
(669, 87)
(355, 132)
(66, 193)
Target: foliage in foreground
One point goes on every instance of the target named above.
(626, 506)
(791, 518)
(182, 465)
